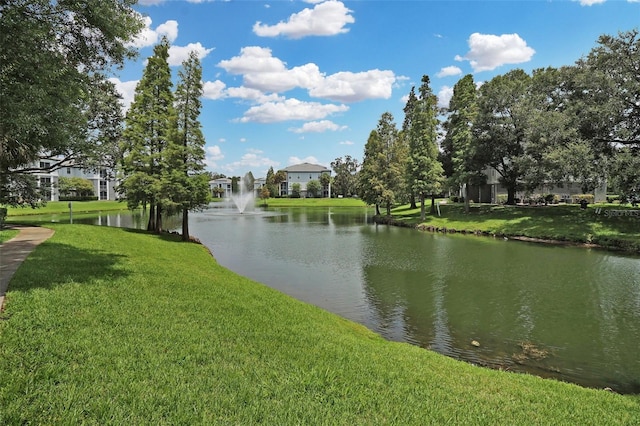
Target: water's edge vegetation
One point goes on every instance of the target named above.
(107, 325)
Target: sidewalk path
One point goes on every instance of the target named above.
(15, 251)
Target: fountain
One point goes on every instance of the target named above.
(243, 199)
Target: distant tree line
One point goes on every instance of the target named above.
(577, 123)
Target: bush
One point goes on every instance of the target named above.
(78, 198)
(502, 198)
(3, 215)
(577, 198)
(454, 198)
(613, 199)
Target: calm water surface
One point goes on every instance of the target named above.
(568, 313)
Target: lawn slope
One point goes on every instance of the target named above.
(112, 326)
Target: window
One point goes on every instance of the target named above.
(45, 165)
(68, 170)
(45, 187)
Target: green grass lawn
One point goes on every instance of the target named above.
(63, 207)
(113, 326)
(312, 202)
(557, 222)
(7, 234)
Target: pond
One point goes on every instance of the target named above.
(568, 313)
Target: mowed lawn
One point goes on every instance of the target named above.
(113, 326)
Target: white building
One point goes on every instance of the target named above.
(302, 174)
(221, 187)
(104, 187)
(493, 191)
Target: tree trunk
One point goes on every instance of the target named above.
(412, 196)
(158, 219)
(511, 195)
(422, 208)
(388, 209)
(466, 196)
(151, 225)
(185, 224)
(377, 210)
(433, 203)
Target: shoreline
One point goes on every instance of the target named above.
(385, 220)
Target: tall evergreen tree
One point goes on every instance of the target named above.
(463, 109)
(390, 163)
(147, 134)
(380, 178)
(409, 109)
(370, 186)
(186, 184)
(425, 173)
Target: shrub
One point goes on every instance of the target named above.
(577, 198)
(79, 198)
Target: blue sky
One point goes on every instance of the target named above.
(306, 81)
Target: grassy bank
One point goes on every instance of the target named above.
(54, 207)
(312, 202)
(112, 326)
(567, 223)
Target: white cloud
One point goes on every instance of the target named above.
(592, 2)
(266, 73)
(213, 89)
(213, 154)
(149, 37)
(253, 59)
(449, 71)
(444, 96)
(352, 87)
(253, 95)
(346, 143)
(325, 19)
(127, 90)
(150, 2)
(318, 127)
(262, 71)
(252, 159)
(178, 54)
(291, 109)
(305, 76)
(488, 51)
(297, 160)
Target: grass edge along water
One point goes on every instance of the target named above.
(113, 326)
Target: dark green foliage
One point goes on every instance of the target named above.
(55, 97)
(382, 172)
(459, 144)
(75, 186)
(314, 189)
(425, 173)
(149, 128)
(185, 183)
(345, 179)
(295, 190)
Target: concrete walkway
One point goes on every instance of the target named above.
(15, 251)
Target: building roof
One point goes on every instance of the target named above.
(306, 168)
